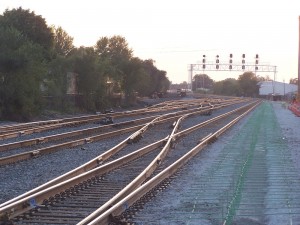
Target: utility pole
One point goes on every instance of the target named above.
(299, 64)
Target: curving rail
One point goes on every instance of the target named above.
(100, 159)
(16, 130)
(33, 199)
(86, 140)
(142, 193)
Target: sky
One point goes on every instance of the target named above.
(178, 33)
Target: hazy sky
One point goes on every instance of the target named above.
(177, 33)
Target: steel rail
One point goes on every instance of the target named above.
(152, 166)
(105, 156)
(39, 198)
(131, 198)
(5, 128)
(36, 141)
(54, 124)
(70, 144)
(60, 124)
(22, 205)
(82, 141)
(14, 202)
(142, 177)
(179, 102)
(84, 119)
(45, 139)
(197, 126)
(98, 160)
(89, 165)
(34, 153)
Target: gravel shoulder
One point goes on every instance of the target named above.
(290, 128)
(195, 197)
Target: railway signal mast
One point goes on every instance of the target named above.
(232, 66)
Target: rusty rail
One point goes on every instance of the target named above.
(71, 144)
(96, 161)
(54, 124)
(45, 139)
(8, 207)
(132, 197)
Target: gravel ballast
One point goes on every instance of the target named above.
(262, 188)
(21, 177)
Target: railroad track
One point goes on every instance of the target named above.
(109, 179)
(17, 130)
(84, 136)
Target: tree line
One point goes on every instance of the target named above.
(35, 59)
(246, 85)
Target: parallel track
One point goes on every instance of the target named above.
(81, 137)
(17, 130)
(58, 208)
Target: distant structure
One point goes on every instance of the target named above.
(230, 65)
(277, 90)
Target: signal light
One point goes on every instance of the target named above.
(230, 67)
(230, 60)
(217, 59)
(256, 61)
(203, 66)
(203, 60)
(217, 66)
(243, 67)
(243, 61)
(243, 56)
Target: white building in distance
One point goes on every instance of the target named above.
(270, 88)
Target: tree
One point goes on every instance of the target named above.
(63, 43)
(159, 81)
(228, 87)
(143, 86)
(133, 75)
(142, 77)
(130, 73)
(91, 78)
(55, 84)
(163, 81)
(294, 81)
(218, 88)
(202, 81)
(22, 70)
(116, 51)
(32, 26)
(248, 84)
(182, 85)
(116, 48)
